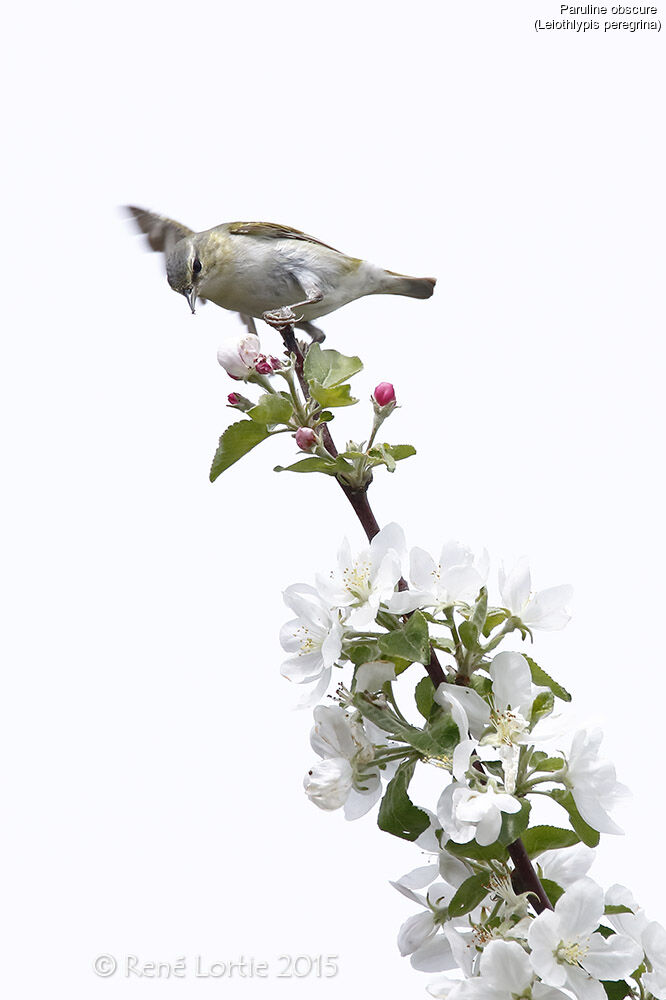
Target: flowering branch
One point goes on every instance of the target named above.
(526, 876)
(508, 901)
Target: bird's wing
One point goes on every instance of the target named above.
(162, 233)
(273, 231)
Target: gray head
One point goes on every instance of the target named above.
(183, 267)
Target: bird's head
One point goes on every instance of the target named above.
(185, 267)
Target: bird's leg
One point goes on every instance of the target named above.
(248, 322)
(316, 335)
(286, 316)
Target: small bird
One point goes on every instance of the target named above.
(268, 271)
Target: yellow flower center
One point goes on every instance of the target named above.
(509, 726)
(308, 644)
(572, 952)
(357, 579)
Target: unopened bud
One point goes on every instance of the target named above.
(239, 402)
(306, 438)
(384, 394)
(263, 365)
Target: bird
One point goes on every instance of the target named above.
(263, 270)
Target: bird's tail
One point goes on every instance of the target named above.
(402, 284)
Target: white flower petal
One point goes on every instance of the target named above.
(512, 683)
(548, 609)
(373, 675)
(583, 986)
(422, 570)
(415, 931)
(515, 586)
(361, 801)
(477, 711)
(566, 866)
(506, 964)
(581, 908)
(434, 956)
(612, 958)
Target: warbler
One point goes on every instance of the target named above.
(268, 271)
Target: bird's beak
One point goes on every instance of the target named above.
(191, 296)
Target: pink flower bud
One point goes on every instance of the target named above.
(233, 399)
(275, 363)
(263, 365)
(384, 393)
(305, 438)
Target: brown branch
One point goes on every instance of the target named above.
(523, 868)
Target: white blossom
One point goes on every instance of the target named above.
(654, 946)
(314, 638)
(434, 942)
(472, 814)
(546, 610)
(567, 950)
(360, 584)
(329, 782)
(648, 934)
(505, 972)
(592, 781)
(505, 726)
(239, 355)
(345, 776)
(456, 579)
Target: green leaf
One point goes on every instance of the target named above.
(411, 642)
(513, 824)
(542, 679)
(389, 454)
(493, 620)
(552, 889)
(271, 409)
(236, 441)
(616, 990)
(329, 368)
(542, 705)
(587, 834)
(442, 731)
(474, 851)
(365, 653)
(478, 618)
(482, 685)
(547, 838)
(313, 464)
(472, 892)
(424, 695)
(606, 932)
(542, 762)
(437, 740)
(337, 395)
(343, 467)
(397, 813)
(469, 634)
(611, 909)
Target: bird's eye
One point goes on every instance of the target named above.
(196, 265)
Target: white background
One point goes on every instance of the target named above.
(152, 762)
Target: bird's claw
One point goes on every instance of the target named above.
(281, 318)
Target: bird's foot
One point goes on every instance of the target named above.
(281, 318)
